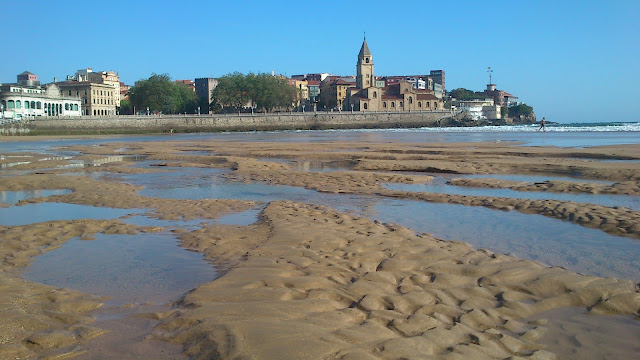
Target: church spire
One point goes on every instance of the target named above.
(364, 50)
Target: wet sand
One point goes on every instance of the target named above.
(306, 281)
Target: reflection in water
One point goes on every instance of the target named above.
(41, 212)
(130, 268)
(439, 185)
(572, 333)
(12, 197)
(536, 237)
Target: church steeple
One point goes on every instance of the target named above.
(364, 68)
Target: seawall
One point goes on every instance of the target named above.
(217, 123)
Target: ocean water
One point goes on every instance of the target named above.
(561, 135)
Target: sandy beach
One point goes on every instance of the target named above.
(310, 282)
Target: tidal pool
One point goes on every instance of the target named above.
(13, 197)
(535, 237)
(48, 211)
(439, 185)
(140, 268)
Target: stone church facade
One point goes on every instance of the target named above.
(402, 96)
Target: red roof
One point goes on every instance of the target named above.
(426, 97)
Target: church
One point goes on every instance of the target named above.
(401, 96)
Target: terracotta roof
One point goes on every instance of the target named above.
(313, 82)
(426, 97)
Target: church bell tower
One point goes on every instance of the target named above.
(365, 77)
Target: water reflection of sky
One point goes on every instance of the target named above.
(548, 240)
(441, 187)
(130, 268)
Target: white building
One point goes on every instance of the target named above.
(28, 100)
(480, 109)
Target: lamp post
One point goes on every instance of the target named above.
(303, 108)
(2, 108)
(351, 107)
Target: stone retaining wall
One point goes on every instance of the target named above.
(213, 123)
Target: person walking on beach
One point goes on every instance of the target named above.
(542, 124)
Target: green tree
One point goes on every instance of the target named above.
(235, 91)
(125, 107)
(522, 109)
(160, 94)
(464, 94)
(327, 99)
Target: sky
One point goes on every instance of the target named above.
(572, 61)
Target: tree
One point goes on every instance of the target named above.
(264, 91)
(522, 109)
(327, 98)
(125, 107)
(160, 94)
(464, 94)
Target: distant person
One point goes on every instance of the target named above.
(542, 124)
(171, 132)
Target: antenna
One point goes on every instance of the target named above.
(490, 73)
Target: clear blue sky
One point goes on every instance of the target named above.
(571, 60)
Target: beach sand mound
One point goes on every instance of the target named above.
(318, 284)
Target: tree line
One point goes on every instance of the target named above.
(159, 94)
(234, 93)
(263, 92)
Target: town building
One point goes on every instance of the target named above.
(188, 83)
(438, 78)
(334, 88)
(398, 96)
(480, 109)
(27, 99)
(204, 87)
(109, 78)
(500, 98)
(96, 99)
(302, 91)
(314, 90)
(421, 82)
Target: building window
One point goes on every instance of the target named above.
(410, 100)
(384, 104)
(428, 105)
(366, 60)
(393, 104)
(66, 106)
(11, 104)
(75, 107)
(401, 104)
(375, 94)
(419, 104)
(18, 106)
(365, 106)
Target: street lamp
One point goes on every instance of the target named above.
(198, 110)
(351, 107)
(303, 108)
